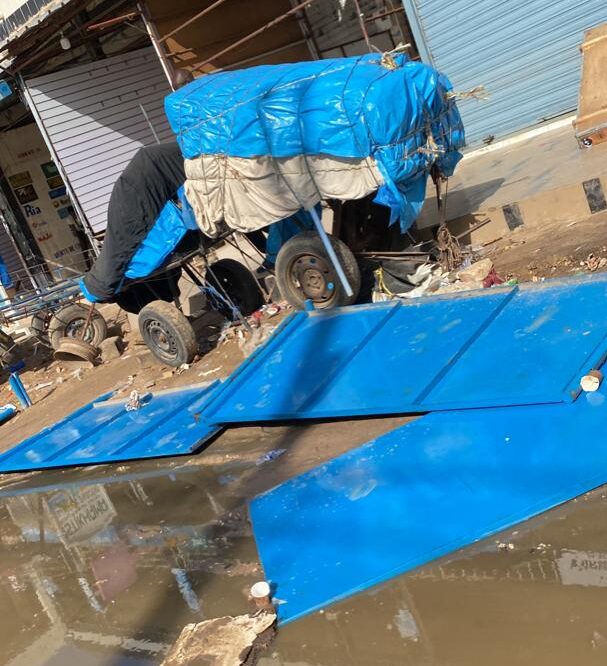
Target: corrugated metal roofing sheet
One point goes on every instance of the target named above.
(30, 14)
(493, 347)
(420, 492)
(167, 424)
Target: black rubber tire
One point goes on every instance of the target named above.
(9, 354)
(168, 333)
(39, 325)
(67, 322)
(239, 284)
(307, 247)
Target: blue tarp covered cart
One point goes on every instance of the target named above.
(263, 148)
(269, 142)
(262, 143)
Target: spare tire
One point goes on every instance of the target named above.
(69, 321)
(304, 271)
(238, 283)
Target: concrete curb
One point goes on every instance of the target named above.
(563, 204)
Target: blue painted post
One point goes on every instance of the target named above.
(7, 412)
(19, 390)
(330, 251)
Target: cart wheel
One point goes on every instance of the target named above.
(304, 271)
(168, 333)
(39, 325)
(239, 284)
(9, 354)
(68, 322)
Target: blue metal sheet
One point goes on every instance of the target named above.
(167, 424)
(490, 43)
(498, 347)
(422, 491)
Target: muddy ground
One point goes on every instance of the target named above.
(552, 250)
(178, 547)
(525, 254)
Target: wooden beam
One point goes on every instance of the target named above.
(191, 20)
(253, 34)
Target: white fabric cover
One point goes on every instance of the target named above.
(250, 193)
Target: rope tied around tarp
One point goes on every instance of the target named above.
(450, 252)
(431, 148)
(214, 180)
(478, 92)
(387, 57)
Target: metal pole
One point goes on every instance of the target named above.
(252, 35)
(145, 115)
(240, 63)
(113, 21)
(331, 252)
(306, 30)
(150, 28)
(9, 233)
(363, 27)
(190, 21)
(389, 12)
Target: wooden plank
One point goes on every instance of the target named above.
(591, 122)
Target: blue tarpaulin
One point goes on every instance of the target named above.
(5, 278)
(397, 113)
(162, 239)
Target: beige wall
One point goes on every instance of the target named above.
(26, 163)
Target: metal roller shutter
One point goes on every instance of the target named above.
(94, 119)
(10, 251)
(525, 53)
(9, 254)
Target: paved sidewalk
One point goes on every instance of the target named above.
(543, 176)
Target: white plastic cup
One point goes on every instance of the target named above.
(592, 381)
(260, 592)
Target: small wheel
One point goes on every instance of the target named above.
(39, 325)
(9, 354)
(69, 321)
(239, 284)
(168, 333)
(304, 271)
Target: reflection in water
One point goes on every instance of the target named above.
(107, 571)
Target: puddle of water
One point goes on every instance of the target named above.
(100, 570)
(109, 571)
